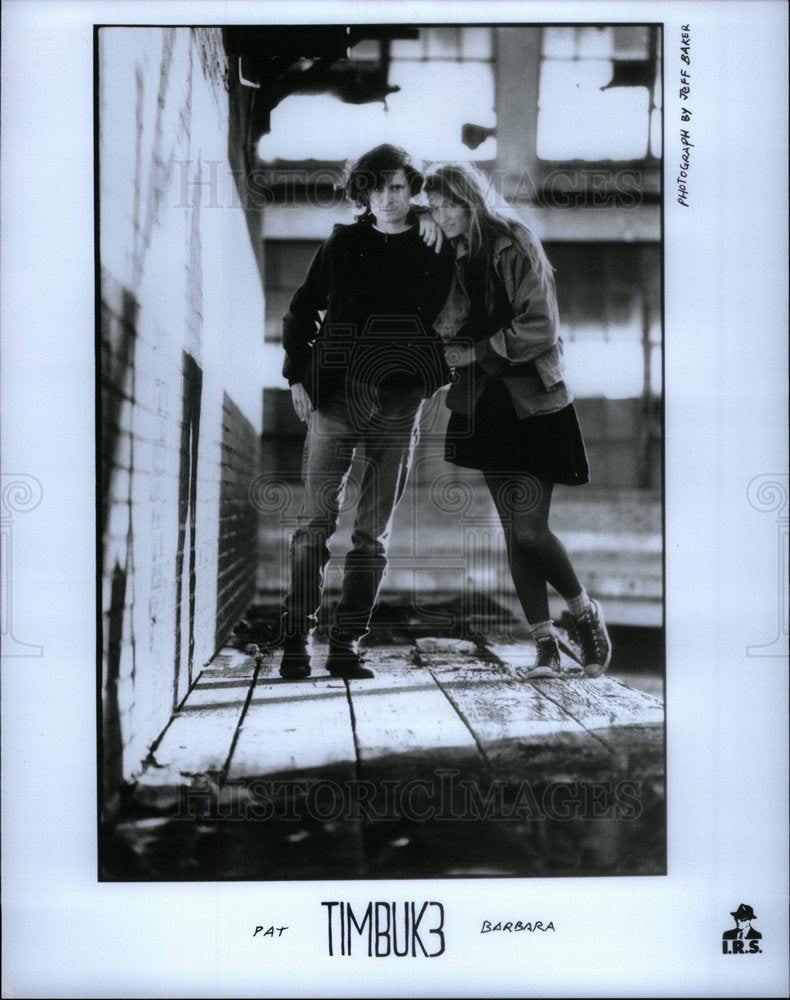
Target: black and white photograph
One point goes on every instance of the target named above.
(394, 499)
(381, 451)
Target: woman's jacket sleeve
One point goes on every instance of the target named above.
(533, 328)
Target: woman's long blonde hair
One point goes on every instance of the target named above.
(463, 184)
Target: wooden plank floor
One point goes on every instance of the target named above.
(403, 722)
(289, 728)
(433, 703)
(284, 778)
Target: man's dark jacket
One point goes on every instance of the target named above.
(322, 353)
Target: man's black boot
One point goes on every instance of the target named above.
(295, 664)
(344, 658)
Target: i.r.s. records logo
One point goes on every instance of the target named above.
(742, 939)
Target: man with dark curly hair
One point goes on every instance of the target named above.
(358, 378)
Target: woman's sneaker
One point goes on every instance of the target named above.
(594, 640)
(547, 662)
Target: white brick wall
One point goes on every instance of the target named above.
(181, 251)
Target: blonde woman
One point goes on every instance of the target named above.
(513, 416)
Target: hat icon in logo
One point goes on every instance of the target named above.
(735, 940)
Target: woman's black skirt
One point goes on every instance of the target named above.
(496, 439)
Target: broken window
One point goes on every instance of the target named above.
(600, 93)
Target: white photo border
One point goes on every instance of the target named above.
(726, 392)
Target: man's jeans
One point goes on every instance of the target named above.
(385, 425)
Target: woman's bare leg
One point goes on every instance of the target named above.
(535, 554)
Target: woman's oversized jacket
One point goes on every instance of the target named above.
(531, 335)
